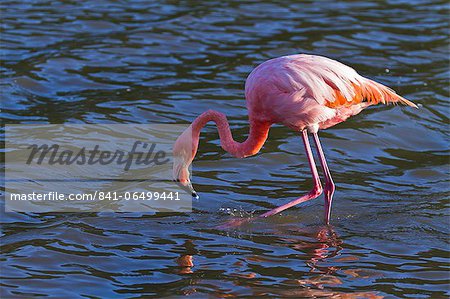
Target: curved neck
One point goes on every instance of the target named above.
(255, 140)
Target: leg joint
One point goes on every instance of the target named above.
(317, 190)
(330, 186)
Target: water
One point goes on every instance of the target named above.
(166, 62)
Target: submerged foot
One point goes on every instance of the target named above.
(233, 223)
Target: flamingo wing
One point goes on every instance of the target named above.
(333, 84)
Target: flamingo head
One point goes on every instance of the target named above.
(184, 151)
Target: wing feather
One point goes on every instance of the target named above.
(334, 84)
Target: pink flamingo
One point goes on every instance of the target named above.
(305, 93)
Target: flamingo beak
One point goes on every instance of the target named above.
(184, 182)
(188, 188)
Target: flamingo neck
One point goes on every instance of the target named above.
(259, 132)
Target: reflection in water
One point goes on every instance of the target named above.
(327, 246)
(186, 259)
(319, 245)
(186, 262)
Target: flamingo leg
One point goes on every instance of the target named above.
(315, 192)
(329, 184)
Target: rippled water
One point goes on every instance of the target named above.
(166, 62)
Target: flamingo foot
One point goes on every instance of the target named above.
(233, 223)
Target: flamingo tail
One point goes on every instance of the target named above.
(375, 93)
(366, 90)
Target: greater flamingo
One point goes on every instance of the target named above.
(305, 93)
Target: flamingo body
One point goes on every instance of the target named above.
(311, 92)
(303, 92)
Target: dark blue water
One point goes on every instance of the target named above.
(168, 61)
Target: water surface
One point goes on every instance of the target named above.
(168, 61)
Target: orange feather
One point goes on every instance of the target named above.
(370, 92)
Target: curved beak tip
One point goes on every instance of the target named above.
(188, 188)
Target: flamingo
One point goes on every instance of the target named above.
(306, 93)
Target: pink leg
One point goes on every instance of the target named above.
(329, 184)
(315, 192)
